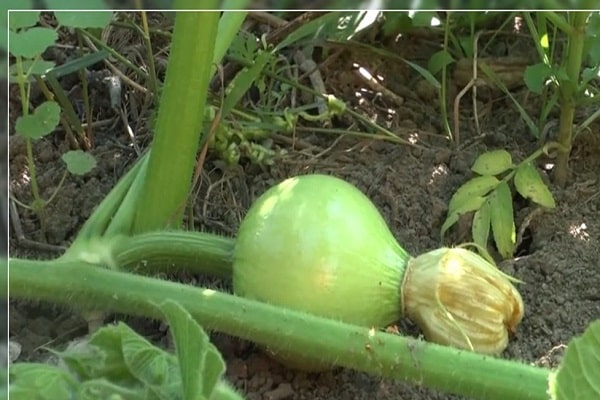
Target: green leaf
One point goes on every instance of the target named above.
(502, 219)
(109, 341)
(587, 74)
(480, 228)
(96, 389)
(577, 375)
(535, 77)
(40, 381)
(425, 74)
(83, 19)
(22, 19)
(79, 162)
(396, 22)
(43, 121)
(470, 204)
(198, 358)
(492, 163)
(150, 365)
(478, 186)
(31, 42)
(423, 18)
(593, 49)
(327, 21)
(244, 81)
(68, 4)
(438, 61)
(30, 67)
(530, 185)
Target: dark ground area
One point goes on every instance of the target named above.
(558, 258)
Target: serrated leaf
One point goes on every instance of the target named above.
(43, 121)
(502, 220)
(577, 375)
(22, 19)
(492, 162)
(531, 186)
(439, 60)
(112, 364)
(149, 364)
(40, 381)
(68, 4)
(198, 358)
(84, 19)
(31, 42)
(470, 204)
(478, 186)
(480, 228)
(79, 162)
(535, 77)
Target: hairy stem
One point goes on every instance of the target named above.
(179, 122)
(282, 330)
(200, 253)
(568, 92)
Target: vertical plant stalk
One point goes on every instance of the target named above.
(37, 204)
(444, 89)
(150, 57)
(363, 349)
(568, 92)
(179, 122)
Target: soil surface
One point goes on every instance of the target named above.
(557, 259)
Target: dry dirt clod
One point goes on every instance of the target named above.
(283, 391)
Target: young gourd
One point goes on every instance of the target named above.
(317, 244)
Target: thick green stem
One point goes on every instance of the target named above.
(179, 122)
(443, 368)
(200, 253)
(568, 92)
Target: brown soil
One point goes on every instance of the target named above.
(558, 257)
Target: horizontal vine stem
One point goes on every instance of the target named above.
(196, 252)
(379, 353)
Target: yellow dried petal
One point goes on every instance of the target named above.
(459, 299)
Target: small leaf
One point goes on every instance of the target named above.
(535, 77)
(502, 219)
(197, 356)
(30, 67)
(531, 186)
(84, 19)
(32, 42)
(480, 228)
(43, 121)
(470, 204)
(22, 19)
(79, 162)
(438, 61)
(492, 163)
(577, 375)
(478, 186)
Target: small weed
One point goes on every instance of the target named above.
(489, 196)
(28, 41)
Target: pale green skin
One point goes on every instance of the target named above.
(316, 243)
